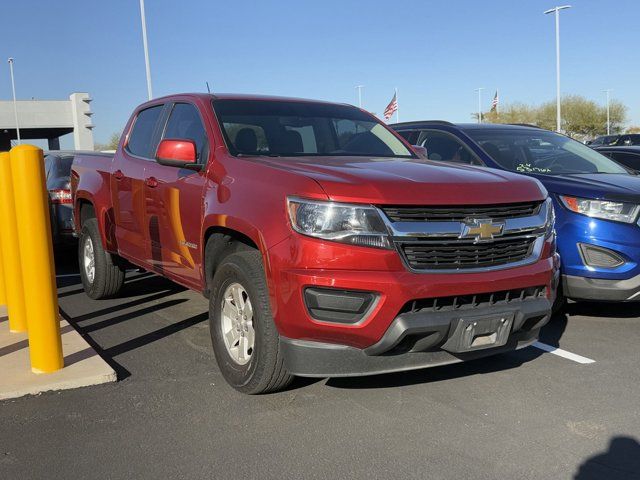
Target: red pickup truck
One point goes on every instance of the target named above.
(325, 244)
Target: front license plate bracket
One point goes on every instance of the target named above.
(480, 332)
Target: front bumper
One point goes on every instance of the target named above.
(432, 342)
(600, 289)
(301, 262)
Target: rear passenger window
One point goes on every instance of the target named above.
(445, 147)
(184, 123)
(141, 135)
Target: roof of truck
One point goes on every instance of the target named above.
(244, 96)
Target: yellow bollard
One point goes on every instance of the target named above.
(10, 250)
(3, 291)
(36, 251)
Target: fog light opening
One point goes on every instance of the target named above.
(600, 257)
(339, 306)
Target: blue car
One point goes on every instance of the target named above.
(597, 201)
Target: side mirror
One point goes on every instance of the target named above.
(421, 151)
(178, 152)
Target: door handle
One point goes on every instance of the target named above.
(151, 182)
(118, 175)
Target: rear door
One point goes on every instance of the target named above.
(174, 201)
(127, 184)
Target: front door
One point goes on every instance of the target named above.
(174, 202)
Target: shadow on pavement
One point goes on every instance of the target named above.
(602, 309)
(620, 462)
(144, 287)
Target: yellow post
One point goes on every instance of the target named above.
(10, 249)
(3, 290)
(36, 252)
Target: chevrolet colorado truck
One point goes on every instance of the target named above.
(325, 244)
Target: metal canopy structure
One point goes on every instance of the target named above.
(48, 119)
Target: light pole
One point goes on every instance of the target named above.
(359, 88)
(146, 49)
(15, 104)
(556, 10)
(479, 90)
(607, 91)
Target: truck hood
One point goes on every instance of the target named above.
(615, 187)
(401, 181)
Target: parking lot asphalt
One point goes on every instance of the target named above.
(527, 414)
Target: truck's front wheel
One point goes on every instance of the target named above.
(245, 339)
(102, 275)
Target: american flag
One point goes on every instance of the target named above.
(494, 103)
(391, 108)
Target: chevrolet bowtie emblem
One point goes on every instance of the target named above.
(481, 230)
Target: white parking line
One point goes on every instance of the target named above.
(563, 353)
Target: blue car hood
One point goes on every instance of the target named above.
(605, 186)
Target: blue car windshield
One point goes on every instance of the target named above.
(541, 151)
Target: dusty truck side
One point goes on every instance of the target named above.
(325, 245)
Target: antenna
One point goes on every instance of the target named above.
(208, 89)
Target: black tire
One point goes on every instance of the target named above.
(109, 271)
(560, 300)
(265, 371)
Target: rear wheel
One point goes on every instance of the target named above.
(101, 273)
(244, 336)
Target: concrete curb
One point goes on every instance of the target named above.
(83, 366)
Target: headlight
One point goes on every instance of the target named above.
(338, 222)
(615, 211)
(551, 217)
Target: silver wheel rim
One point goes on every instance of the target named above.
(237, 323)
(89, 260)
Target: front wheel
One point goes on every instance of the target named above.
(244, 336)
(101, 273)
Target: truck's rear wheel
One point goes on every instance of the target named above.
(101, 273)
(244, 336)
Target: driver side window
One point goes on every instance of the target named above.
(185, 123)
(444, 147)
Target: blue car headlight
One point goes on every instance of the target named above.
(604, 209)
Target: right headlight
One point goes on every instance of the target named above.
(551, 217)
(338, 222)
(605, 209)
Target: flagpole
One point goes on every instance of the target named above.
(397, 107)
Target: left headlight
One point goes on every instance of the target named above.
(605, 209)
(338, 222)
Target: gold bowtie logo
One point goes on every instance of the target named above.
(481, 229)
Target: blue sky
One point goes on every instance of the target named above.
(435, 52)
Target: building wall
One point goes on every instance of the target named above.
(82, 124)
(47, 118)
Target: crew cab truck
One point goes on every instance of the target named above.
(325, 244)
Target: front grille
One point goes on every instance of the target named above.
(458, 213)
(462, 254)
(458, 302)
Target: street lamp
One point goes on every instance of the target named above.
(607, 91)
(556, 10)
(15, 104)
(146, 49)
(479, 90)
(359, 88)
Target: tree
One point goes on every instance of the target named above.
(633, 129)
(580, 117)
(112, 143)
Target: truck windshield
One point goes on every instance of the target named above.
(289, 128)
(533, 151)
